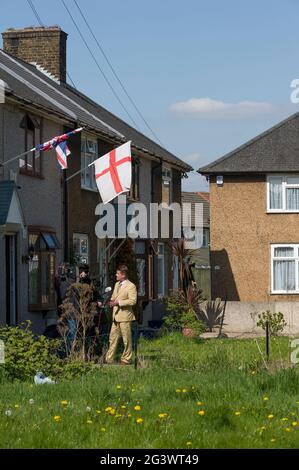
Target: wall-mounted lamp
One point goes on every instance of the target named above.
(29, 256)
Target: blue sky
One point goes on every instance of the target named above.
(207, 75)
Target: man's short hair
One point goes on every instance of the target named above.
(84, 268)
(123, 269)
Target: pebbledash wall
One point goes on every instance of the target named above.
(41, 201)
(241, 236)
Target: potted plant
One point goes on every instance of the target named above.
(191, 326)
(181, 313)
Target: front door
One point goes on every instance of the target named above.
(11, 278)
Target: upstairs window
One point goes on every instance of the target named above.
(89, 153)
(166, 185)
(283, 193)
(31, 163)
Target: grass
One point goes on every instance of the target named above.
(242, 404)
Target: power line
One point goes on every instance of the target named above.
(98, 65)
(115, 74)
(35, 12)
(30, 3)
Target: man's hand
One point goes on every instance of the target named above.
(113, 303)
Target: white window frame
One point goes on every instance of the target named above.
(284, 187)
(86, 159)
(287, 258)
(82, 236)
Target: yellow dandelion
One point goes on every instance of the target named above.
(129, 415)
(253, 372)
(98, 412)
(139, 420)
(200, 403)
(118, 387)
(17, 406)
(178, 390)
(189, 443)
(284, 419)
(108, 409)
(117, 415)
(123, 407)
(137, 408)
(270, 416)
(103, 429)
(57, 418)
(112, 412)
(201, 412)
(184, 390)
(163, 415)
(237, 413)
(64, 402)
(287, 429)
(89, 421)
(266, 398)
(272, 440)
(294, 423)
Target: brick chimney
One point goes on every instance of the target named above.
(44, 46)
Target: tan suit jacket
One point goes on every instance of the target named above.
(127, 297)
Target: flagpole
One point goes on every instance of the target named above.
(75, 131)
(76, 173)
(15, 158)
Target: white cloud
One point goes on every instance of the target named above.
(207, 107)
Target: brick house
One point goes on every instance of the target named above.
(254, 210)
(54, 219)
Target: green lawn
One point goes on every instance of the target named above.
(241, 404)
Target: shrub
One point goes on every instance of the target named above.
(25, 354)
(276, 322)
(79, 308)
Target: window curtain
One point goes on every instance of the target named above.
(284, 275)
(293, 198)
(276, 193)
(282, 251)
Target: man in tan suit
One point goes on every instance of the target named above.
(123, 299)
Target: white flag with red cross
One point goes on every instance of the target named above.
(113, 172)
